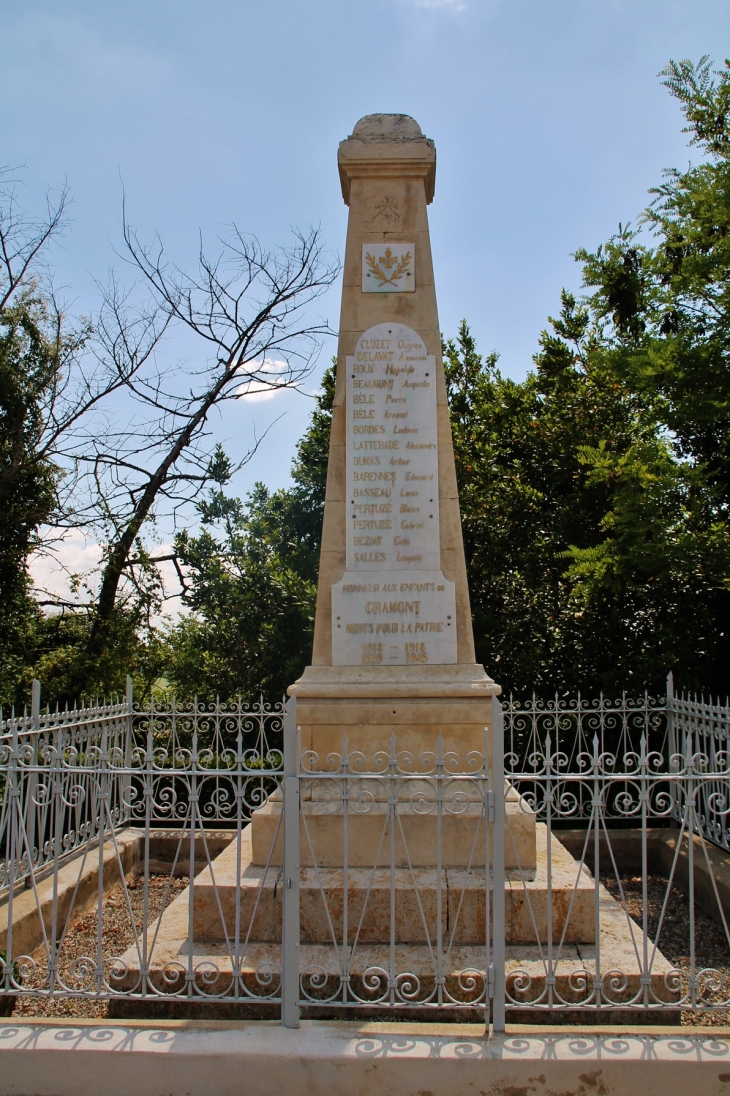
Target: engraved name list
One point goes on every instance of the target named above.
(393, 606)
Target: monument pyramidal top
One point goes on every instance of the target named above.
(393, 619)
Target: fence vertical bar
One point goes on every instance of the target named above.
(671, 744)
(691, 794)
(126, 804)
(12, 789)
(498, 878)
(31, 789)
(290, 901)
(488, 819)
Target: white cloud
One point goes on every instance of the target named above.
(257, 395)
(255, 391)
(72, 554)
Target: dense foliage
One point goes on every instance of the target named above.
(596, 494)
(31, 357)
(253, 579)
(595, 558)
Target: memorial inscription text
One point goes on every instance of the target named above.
(393, 605)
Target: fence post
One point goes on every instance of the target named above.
(498, 926)
(128, 743)
(13, 840)
(290, 901)
(31, 784)
(672, 743)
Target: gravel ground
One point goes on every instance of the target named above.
(712, 949)
(81, 940)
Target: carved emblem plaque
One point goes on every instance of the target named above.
(388, 268)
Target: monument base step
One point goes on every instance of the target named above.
(462, 894)
(210, 963)
(463, 973)
(368, 822)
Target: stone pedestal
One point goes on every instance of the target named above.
(463, 890)
(368, 705)
(321, 838)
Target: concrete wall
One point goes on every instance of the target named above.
(264, 1059)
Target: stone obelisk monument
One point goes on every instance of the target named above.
(393, 643)
(393, 656)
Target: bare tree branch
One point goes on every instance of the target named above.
(248, 307)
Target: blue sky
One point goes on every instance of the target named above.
(549, 121)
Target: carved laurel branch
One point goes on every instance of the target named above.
(383, 278)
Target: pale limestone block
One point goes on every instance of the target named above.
(447, 713)
(416, 740)
(442, 398)
(349, 336)
(365, 310)
(336, 474)
(335, 520)
(573, 893)
(447, 469)
(469, 682)
(427, 683)
(418, 236)
(451, 536)
(339, 398)
(368, 195)
(332, 567)
(338, 428)
(379, 204)
(368, 835)
(387, 184)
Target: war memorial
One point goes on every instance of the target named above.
(397, 733)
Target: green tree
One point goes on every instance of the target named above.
(29, 365)
(664, 290)
(245, 305)
(39, 406)
(593, 553)
(662, 297)
(54, 375)
(252, 579)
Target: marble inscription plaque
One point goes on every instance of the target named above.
(393, 606)
(388, 268)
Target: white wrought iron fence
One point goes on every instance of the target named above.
(376, 883)
(49, 763)
(699, 729)
(123, 771)
(597, 944)
(394, 862)
(48, 766)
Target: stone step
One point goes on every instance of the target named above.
(368, 828)
(416, 894)
(414, 968)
